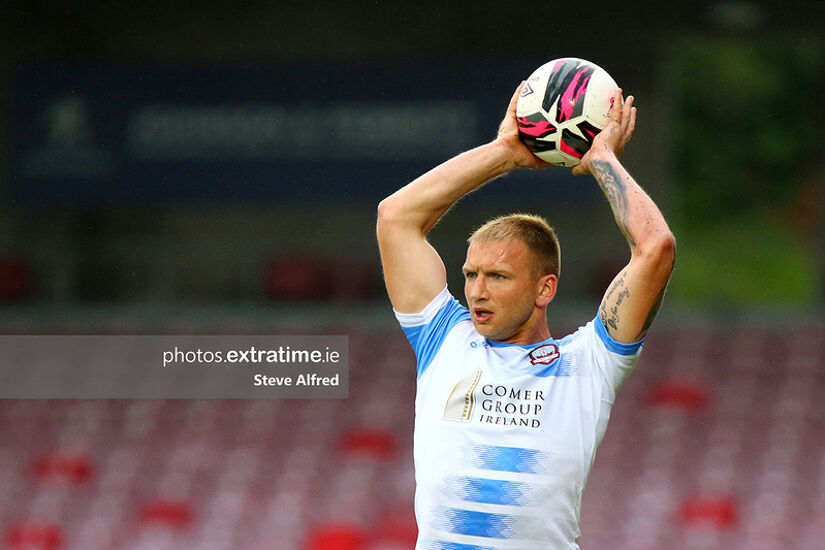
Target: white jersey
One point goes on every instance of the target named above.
(505, 435)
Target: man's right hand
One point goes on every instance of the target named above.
(508, 136)
(413, 270)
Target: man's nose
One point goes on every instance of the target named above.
(478, 288)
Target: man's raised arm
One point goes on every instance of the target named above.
(633, 298)
(413, 270)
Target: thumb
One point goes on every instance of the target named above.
(580, 170)
(513, 100)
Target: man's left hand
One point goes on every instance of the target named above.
(615, 135)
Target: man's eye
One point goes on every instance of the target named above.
(470, 275)
(498, 276)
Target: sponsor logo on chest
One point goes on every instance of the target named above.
(500, 404)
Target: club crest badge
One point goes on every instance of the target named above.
(544, 355)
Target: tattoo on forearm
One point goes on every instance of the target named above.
(652, 313)
(655, 309)
(616, 192)
(610, 317)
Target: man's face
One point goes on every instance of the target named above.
(500, 288)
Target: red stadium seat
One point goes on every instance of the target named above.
(62, 467)
(718, 511)
(298, 278)
(172, 513)
(370, 442)
(337, 536)
(681, 395)
(32, 535)
(15, 279)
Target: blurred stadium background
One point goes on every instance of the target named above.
(196, 167)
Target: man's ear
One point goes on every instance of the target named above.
(547, 286)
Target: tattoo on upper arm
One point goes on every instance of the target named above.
(613, 299)
(616, 192)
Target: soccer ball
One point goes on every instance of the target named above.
(561, 108)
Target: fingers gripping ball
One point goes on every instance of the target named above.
(562, 106)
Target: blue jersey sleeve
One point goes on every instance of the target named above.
(613, 345)
(614, 360)
(427, 329)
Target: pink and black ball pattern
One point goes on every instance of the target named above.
(576, 145)
(567, 84)
(560, 121)
(534, 128)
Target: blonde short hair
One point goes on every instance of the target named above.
(532, 230)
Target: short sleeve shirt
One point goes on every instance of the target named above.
(505, 435)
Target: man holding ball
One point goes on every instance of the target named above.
(508, 418)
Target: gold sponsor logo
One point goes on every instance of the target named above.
(462, 401)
